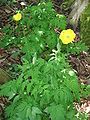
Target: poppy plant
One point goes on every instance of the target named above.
(17, 17)
(67, 36)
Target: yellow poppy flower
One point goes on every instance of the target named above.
(17, 17)
(67, 36)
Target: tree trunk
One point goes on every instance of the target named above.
(77, 9)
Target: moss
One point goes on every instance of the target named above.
(85, 26)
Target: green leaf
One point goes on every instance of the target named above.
(28, 88)
(36, 110)
(56, 112)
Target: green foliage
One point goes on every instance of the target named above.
(43, 88)
(85, 90)
(56, 112)
(36, 30)
(75, 48)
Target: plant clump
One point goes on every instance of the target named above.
(45, 88)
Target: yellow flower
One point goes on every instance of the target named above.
(17, 17)
(67, 36)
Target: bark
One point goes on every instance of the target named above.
(77, 9)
